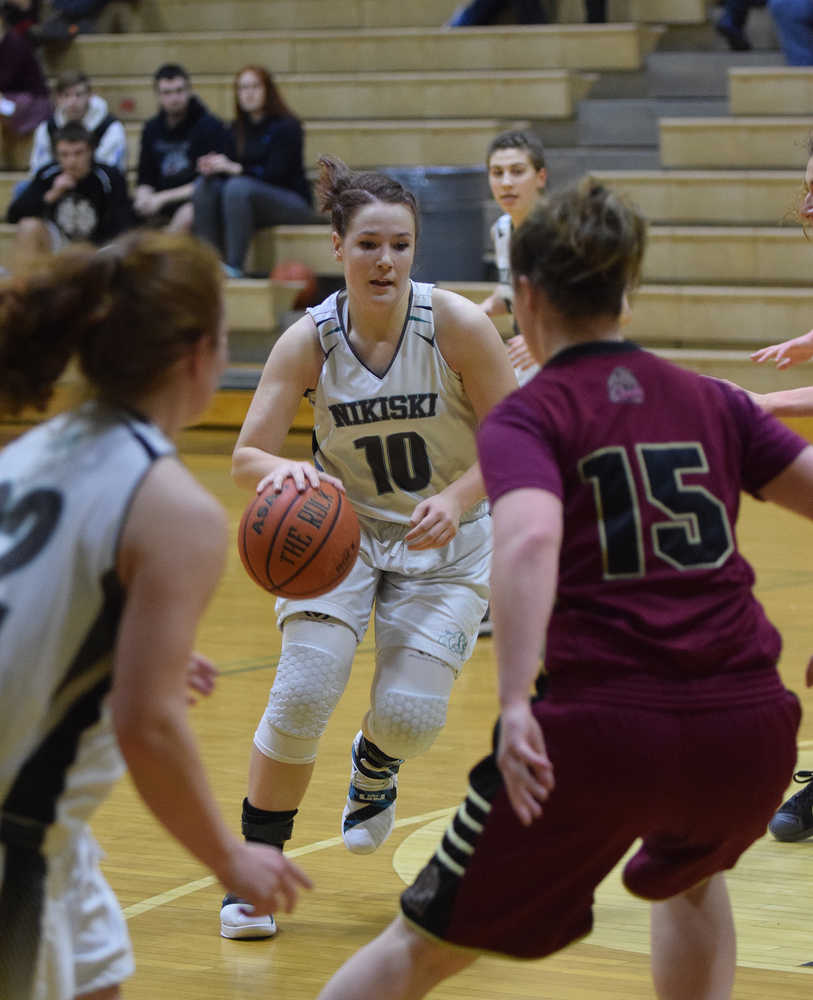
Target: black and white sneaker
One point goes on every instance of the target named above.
(239, 921)
(794, 818)
(369, 813)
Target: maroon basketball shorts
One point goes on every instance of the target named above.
(697, 787)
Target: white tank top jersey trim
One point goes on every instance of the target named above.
(65, 489)
(398, 437)
(501, 237)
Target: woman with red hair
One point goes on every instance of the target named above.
(263, 183)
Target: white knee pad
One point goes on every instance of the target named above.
(313, 670)
(409, 699)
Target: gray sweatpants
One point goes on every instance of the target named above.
(229, 209)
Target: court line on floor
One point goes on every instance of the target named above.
(153, 902)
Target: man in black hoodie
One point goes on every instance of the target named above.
(73, 198)
(171, 144)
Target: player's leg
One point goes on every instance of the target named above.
(312, 673)
(704, 826)
(429, 605)
(319, 639)
(409, 963)
(694, 944)
(86, 951)
(409, 698)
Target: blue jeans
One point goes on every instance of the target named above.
(736, 12)
(794, 23)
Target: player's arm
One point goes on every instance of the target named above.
(292, 367)
(473, 348)
(786, 402)
(524, 571)
(495, 304)
(783, 403)
(793, 487)
(171, 557)
(469, 342)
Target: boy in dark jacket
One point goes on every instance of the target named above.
(171, 144)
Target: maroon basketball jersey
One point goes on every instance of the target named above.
(648, 460)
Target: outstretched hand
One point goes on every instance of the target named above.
(523, 761)
(200, 677)
(788, 353)
(264, 877)
(521, 358)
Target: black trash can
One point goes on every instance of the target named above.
(450, 201)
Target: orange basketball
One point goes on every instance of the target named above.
(299, 544)
(296, 270)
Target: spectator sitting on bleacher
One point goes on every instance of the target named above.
(72, 199)
(24, 100)
(21, 15)
(70, 18)
(794, 25)
(75, 102)
(525, 12)
(262, 182)
(171, 144)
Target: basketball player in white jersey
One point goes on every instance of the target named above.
(517, 176)
(109, 552)
(399, 374)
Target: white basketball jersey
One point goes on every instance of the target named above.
(501, 237)
(398, 437)
(65, 488)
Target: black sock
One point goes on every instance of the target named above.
(265, 826)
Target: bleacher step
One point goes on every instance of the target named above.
(634, 122)
(285, 15)
(752, 143)
(458, 94)
(769, 90)
(497, 48)
(721, 197)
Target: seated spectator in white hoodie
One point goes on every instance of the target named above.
(76, 102)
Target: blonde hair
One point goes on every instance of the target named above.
(583, 247)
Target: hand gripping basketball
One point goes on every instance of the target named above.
(299, 544)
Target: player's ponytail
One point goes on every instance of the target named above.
(42, 320)
(583, 247)
(342, 191)
(127, 312)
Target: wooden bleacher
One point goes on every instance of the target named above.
(387, 86)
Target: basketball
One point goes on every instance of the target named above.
(299, 544)
(295, 270)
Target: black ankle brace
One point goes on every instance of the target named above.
(264, 826)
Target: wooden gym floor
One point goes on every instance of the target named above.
(172, 904)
